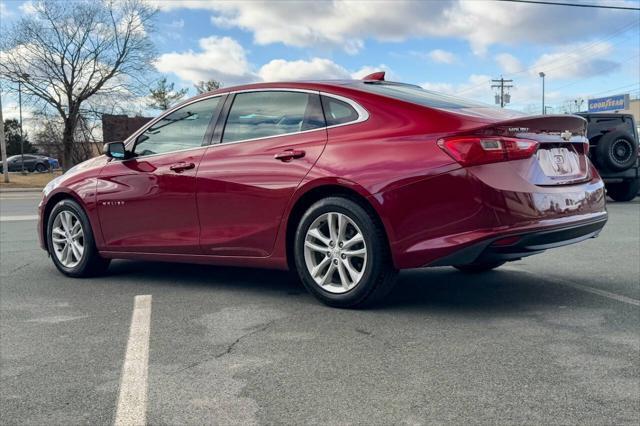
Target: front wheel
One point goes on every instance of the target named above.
(71, 243)
(41, 168)
(342, 255)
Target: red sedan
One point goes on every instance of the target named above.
(345, 181)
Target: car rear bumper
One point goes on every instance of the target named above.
(522, 244)
(455, 217)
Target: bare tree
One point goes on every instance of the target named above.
(68, 52)
(162, 96)
(207, 86)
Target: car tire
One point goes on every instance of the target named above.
(81, 257)
(616, 151)
(362, 272)
(478, 267)
(623, 191)
(41, 168)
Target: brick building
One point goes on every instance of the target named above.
(119, 127)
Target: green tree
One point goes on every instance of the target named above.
(207, 86)
(12, 136)
(162, 96)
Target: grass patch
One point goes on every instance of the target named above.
(30, 180)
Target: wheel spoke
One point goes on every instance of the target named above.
(333, 230)
(355, 275)
(354, 240)
(346, 284)
(342, 227)
(58, 231)
(76, 253)
(327, 276)
(316, 247)
(315, 233)
(357, 252)
(316, 269)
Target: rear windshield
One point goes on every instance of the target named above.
(420, 96)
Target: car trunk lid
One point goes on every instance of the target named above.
(562, 154)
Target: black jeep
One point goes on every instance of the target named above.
(613, 148)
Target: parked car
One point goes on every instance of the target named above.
(32, 163)
(613, 140)
(344, 181)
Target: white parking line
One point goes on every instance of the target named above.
(18, 218)
(132, 399)
(587, 289)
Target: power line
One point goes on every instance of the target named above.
(550, 3)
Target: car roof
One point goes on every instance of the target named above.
(306, 84)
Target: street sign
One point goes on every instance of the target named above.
(610, 103)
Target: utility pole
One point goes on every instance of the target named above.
(542, 76)
(503, 98)
(21, 134)
(3, 147)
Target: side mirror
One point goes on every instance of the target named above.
(115, 150)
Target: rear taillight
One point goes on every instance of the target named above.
(471, 151)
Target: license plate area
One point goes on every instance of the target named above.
(560, 162)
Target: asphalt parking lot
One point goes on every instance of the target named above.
(554, 338)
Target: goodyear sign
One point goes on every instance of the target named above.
(610, 103)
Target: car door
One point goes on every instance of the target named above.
(146, 203)
(269, 142)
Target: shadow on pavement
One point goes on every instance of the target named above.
(430, 288)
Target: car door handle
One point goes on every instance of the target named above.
(289, 155)
(180, 167)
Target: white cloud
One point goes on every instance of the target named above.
(476, 87)
(577, 61)
(28, 8)
(220, 58)
(315, 69)
(347, 24)
(442, 56)
(4, 12)
(509, 63)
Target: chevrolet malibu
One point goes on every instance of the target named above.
(346, 182)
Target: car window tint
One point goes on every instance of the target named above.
(182, 129)
(338, 112)
(271, 113)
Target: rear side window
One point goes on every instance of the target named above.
(271, 113)
(337, 111)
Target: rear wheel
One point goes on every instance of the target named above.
(477, 267)
(623, 191)
(41, 168)
(341, 254)
(71, 243)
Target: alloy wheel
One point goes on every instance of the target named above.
(67, 237)
(335, 252)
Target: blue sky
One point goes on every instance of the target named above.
(451, 46)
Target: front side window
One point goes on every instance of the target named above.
(182, 129)
(271, 113)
